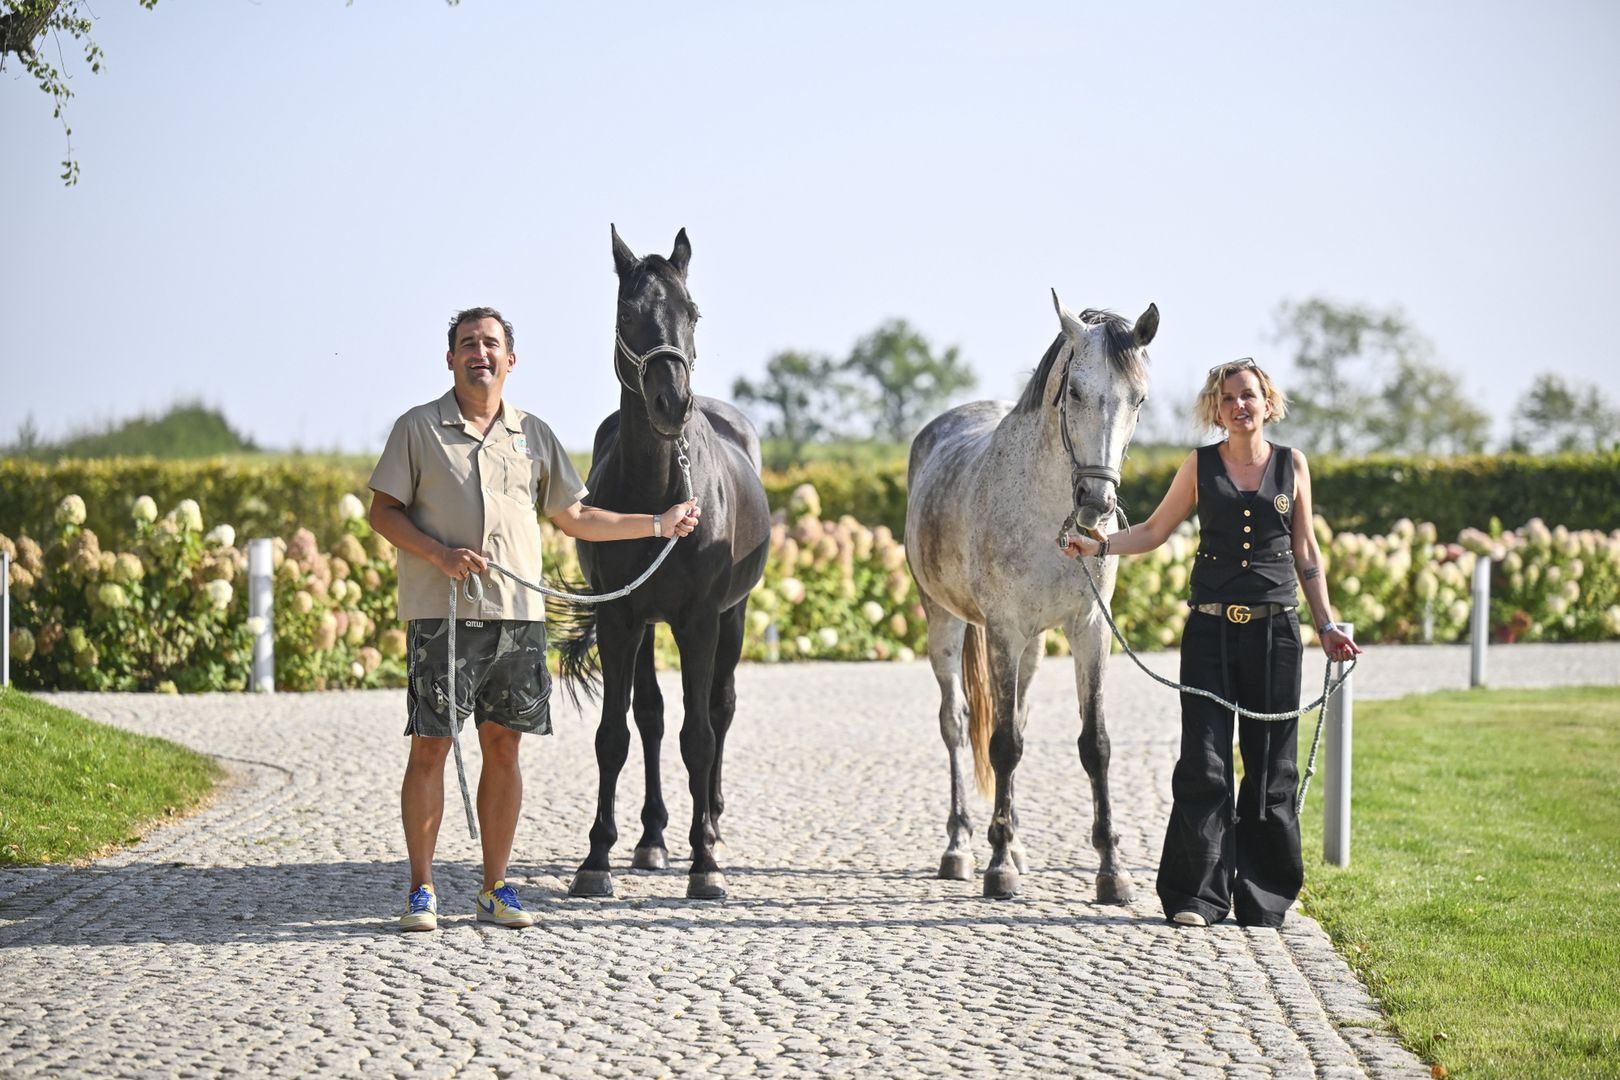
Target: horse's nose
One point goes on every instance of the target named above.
(662, 402)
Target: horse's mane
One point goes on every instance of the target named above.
(1119, 343)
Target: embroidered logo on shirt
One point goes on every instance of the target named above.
(1281, 503)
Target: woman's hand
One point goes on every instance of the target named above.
(1338, 646)
(1080, 544)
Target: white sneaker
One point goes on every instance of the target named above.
(1189, 918)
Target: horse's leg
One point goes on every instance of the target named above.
(723, 703)
(697, 637)
(1088, 641)
(616, 642)
(1026, 673)
(1012, 661)
(945, 634)
(647, 706)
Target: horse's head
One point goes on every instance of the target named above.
(1099, 394)
(655, 349)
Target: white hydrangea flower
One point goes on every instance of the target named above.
(257, 624)
(802, 643)
(220, 593)
(828, 636)
(223, 535)
(904, 655)
(70, 511)
(873, 611)
(350, 508)
(144, 510)
(189, 514)
(357, 669)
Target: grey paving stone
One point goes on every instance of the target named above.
(258, 936)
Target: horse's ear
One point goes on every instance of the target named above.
(623, 258)
(1071, 322)
(1146, 326)
(682, 254)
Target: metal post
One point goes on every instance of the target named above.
(1479, 624)
(1336, 781)
(5, 619)
(260, 606)
(772, 648)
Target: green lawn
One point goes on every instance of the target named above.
(71, 788)
(1482, 904)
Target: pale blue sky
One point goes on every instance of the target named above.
(282, 202)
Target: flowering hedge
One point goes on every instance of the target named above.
(169, 612)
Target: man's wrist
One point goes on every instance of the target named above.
(1327, 628)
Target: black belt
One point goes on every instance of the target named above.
(1242, 613)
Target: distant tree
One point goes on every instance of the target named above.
(1422, 409)
(806, 393)
(902, 382)
(1365, 379)
(187, 430)
(1555, 416)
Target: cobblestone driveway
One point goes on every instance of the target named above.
(258, 935)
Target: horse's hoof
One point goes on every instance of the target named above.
(1001, 883)
(956, 866)
(650, 858)
(706, 886)
(1114, 889)
(591, 883)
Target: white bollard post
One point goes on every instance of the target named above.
(260, 606)
(5, 619)
(1336, 778)
(1479, 623)
(773, 651)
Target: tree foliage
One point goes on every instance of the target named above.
(186, 430)
(1366, 380)
(806, 393)
(24, 24)
(901, 381)
(1555, 416)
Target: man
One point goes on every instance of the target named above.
(458, 485)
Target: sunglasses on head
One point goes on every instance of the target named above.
(1245, 364)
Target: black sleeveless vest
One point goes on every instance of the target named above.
(1245, 548)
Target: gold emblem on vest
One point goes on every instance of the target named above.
(1281, 503)
(1239, 613)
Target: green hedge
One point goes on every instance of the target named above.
(272, 497)
(1580, 491)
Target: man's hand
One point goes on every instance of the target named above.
(458, 563)
(681, 519)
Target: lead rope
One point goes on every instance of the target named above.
(1330, 686)
(474, 588)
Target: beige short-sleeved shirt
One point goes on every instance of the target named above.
(478, 492)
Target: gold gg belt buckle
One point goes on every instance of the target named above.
(1238, 613)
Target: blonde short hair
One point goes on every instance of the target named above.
(1207, 409)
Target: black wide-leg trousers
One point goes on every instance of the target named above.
(1244, 859)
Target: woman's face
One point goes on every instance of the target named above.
(1243, 407)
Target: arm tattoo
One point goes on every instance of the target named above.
(1311, 573)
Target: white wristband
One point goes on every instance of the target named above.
(657, 526)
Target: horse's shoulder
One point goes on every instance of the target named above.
(607, 432)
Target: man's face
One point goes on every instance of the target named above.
(480, 361)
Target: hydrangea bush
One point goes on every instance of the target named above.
(170, 613)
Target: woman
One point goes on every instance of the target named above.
(1242, 642)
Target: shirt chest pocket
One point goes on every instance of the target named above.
(516, 475)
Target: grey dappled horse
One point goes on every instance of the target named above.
(989, 486)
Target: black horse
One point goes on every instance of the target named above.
(701, 590)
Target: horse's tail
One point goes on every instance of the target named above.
(981, 712)
(572, 628)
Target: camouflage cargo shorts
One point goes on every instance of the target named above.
(501, 676)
